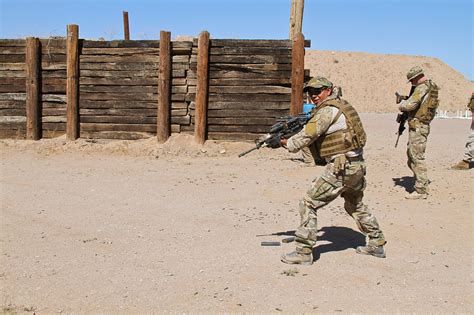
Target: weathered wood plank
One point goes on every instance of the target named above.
(141, 81)
(135, 119)
(134, 58)
(244, 113)
(13, 97)
(118, 127)
(250, 97)
(239, 59)
(249, 74)
(250, 105)
(119, 66)
(12, 66)
(12, 133)
(248, 67)
(13, 112)
(13, 88)
(12, 42)
(137, 112)
(282, 51)
(117, 89)
(90, 104)
(119, 74)
(241, 121)
(13, 74)
(121, 51)
(249, 89)
(117, 135)
(237, 136)
(239, 128)
(13, 104)
(120, 96)
(250, 82)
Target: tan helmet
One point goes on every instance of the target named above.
(414, 72)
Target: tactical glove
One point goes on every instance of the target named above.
(274, 142)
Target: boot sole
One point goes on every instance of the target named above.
(306, 263)
(370, 254)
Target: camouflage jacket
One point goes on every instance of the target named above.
(415, 99)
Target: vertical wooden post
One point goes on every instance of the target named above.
(33, 89)
(202, 88)
(296, 18)
(72, 86)
(126, 29)
(163, 128)
(297, 75)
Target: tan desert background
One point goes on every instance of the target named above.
(369, 81)
(136, 227)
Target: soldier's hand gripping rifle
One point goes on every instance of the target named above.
(401, 117)
(284, 128)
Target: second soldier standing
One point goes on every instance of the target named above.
(421, 107)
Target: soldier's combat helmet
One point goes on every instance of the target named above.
(414, 72)
(317, 83)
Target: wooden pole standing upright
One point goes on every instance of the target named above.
(72, 87)
(33, 88)
(297, 75)
(126, 29)
(163, 128)
(296, 18)
(202, 88)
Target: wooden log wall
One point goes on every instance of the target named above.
(119, 88)
(12, 88)
(249, 86)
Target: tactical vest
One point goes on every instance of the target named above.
(341, 141)
(427, 109)
(471, 103)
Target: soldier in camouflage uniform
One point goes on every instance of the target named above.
(464, 164)
(335, 137)
(421, 107)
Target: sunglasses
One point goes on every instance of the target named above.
(314, 91)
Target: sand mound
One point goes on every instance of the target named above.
(369, 81)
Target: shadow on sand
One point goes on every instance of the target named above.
(407, 182)
(340, 238)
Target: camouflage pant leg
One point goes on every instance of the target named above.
(417, 139)
(323, 190)
(353, 194)
(469, 151)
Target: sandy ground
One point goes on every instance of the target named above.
(136, 227)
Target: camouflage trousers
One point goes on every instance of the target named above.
(469, 151)
(417, 138)
(325, 189)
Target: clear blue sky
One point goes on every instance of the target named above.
(435, 28)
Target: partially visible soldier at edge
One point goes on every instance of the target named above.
(464, 164)
(335, 137)
(421, 107)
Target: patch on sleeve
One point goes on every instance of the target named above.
(320, 123)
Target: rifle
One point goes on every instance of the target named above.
(401, 119)
(285, 127)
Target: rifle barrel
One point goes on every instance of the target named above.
(248, 151)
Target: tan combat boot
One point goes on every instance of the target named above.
(416, 195)
(376, 251)
(462, 165)
(298, 258)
